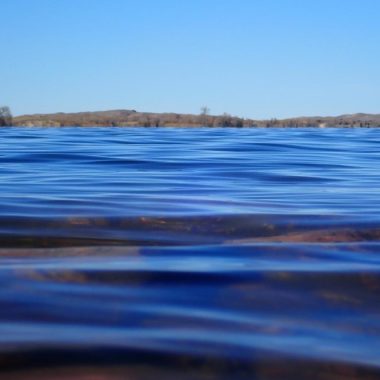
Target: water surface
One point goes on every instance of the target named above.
(189, 253)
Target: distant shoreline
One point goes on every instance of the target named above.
(132, 118)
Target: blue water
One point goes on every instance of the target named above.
(189, 253)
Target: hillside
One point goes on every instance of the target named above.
(146, 119)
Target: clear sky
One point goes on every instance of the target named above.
(251, 58)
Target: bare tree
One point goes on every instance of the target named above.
(204, 116)
(5, 116)
(205, 111)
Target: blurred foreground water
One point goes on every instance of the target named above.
(149, 253)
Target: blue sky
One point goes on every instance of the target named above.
(252, 58)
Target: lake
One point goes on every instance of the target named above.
(167, 253)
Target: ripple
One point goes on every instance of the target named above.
(189, 253)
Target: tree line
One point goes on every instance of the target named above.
(204, 118)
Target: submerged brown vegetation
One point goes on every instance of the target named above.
(124, 118)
